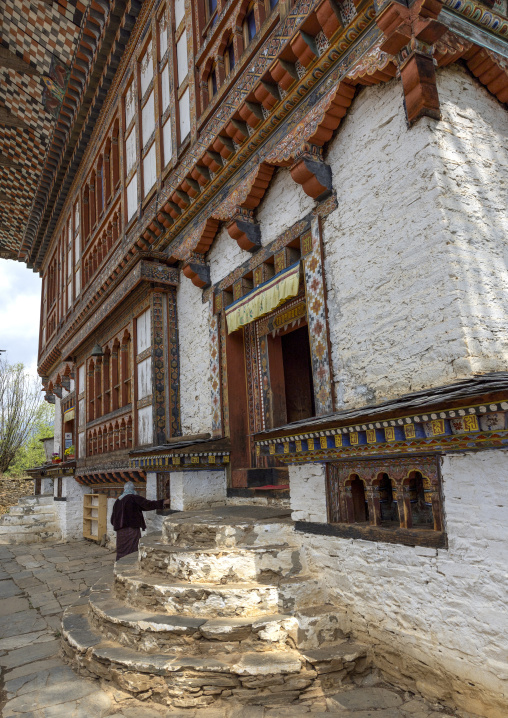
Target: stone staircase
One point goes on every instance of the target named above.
(33, 520)
(221, 606)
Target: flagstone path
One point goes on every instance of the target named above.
(38, 581)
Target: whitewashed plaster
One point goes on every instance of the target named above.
(436, 615)
(307, 484)
(193, 333)
(416, 282)
(152, 519)
(225, 255)
(144, 369)
(472, 145)
(284, 203)
(145, 426)
(143, 332)
(70, 511)
(196, 489)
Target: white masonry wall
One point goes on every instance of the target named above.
(152, 520)
(193, 332)
(284, 203)
(70, 511)
(225, 255)
(436, 616)
(471, 142)
(415, 253)
(192, 490)
(308, 493)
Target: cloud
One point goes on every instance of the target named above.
(19, 312)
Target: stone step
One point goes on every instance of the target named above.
(229, 526)
(30, 537)
(27, 519)
(29, 528)
(36, 500)
(31, 509)
(223, 565)
(271, 677)
(152, 632)
(183, 681)
(156, 593)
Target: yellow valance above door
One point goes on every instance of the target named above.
(264, 299)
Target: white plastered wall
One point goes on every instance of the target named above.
(436, 616)
(152, 520)
(47, 486)
(70, 511)
(197, 489)
(193, 332)
(284, 203)
(225, 255)
(414, 254)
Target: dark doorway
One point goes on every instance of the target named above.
(298, 383)
(360, 507)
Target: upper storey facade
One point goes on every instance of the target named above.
(181, 61)
(207, 103)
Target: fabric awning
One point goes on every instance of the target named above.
(264, 299)
(69, 414)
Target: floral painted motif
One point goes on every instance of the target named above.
(215, 372)
(316, 316)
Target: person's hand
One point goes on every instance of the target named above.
(167, 502)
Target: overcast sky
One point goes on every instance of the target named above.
(19, 313)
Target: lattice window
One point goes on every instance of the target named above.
(393, 494)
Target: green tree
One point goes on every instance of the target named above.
(20, 402)
(31, 453)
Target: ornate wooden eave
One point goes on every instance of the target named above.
(471, 414)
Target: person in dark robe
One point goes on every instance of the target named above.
(128, 520)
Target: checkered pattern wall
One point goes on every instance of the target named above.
(44, 36)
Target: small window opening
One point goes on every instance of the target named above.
(211, 10)
(389, 507)
(421, 503)
(249, 26)
(229, 58)
(360, 506)
(212, 83)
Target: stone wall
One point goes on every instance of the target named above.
(434, 616)
(195, 391)
(471, 145)
(70, 511)
(197, 489)
(308, 493)
(152, 519)
(225, 255)
(414, 252)
(284, 203)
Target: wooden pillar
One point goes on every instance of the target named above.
(107, 178)
(436, 510)
(399, 496)
(238, 41)
(91, 206)
(348, 504)
(158, 317)
(374, 505)
(238, 408)
(408, 514)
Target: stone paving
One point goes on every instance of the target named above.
(37, 582)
